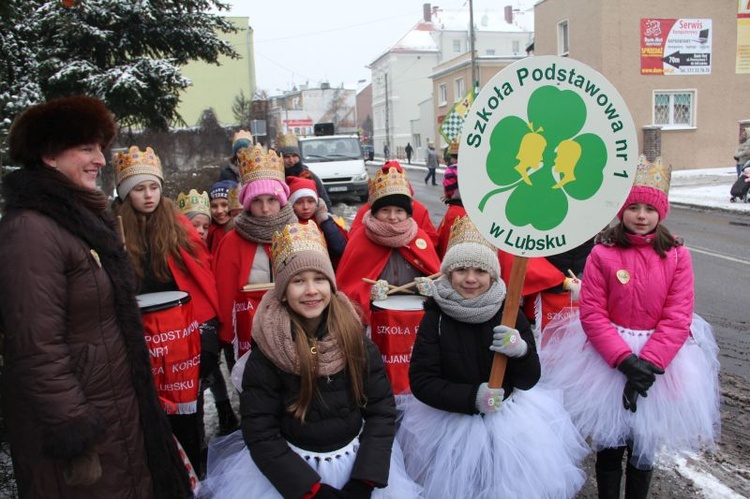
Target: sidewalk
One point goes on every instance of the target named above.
(706, 188)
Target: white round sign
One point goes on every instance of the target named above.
(547, 156)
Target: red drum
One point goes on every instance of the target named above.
(174, 343)
(243, 311)
(394, 323)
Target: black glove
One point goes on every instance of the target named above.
(629, 397)
(640, 373)
(327, 492)
(357, 489)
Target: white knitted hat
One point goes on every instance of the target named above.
(470, 254)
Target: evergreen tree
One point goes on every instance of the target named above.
(128, 53)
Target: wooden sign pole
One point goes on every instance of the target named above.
(510, 313)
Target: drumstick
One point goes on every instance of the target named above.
(122, 229)
(572, 275)
(390, 286)
(263, 286)
(411, 284)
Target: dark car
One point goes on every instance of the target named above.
(368, 152)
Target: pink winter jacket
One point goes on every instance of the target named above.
(654, 293)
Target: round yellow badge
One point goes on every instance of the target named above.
(623, 276)
(421, 243)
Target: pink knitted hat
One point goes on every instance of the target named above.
(259, 187)
(649, 195)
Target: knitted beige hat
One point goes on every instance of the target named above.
(299, 247)
(468, 248)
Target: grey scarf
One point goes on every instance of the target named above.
(471, 310)
(261, 229)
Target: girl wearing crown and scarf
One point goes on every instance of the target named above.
(168, 255)
(318, 415)
(390, 246)
(244, 255)
(638, 367)
(389, 251)
(461, 438)
(419, 211)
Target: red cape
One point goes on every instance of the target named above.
(197, 278)
(215, 234)
(234, 259)
(364, 258)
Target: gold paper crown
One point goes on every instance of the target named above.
(386, 184)
(194, 202)
(257, 164)
(241, 139)
(242, 134)
(294, 238)
(453, 147)
(135, 162)
(654, 175)
(234, 198)
(287, 140)
(463, 230)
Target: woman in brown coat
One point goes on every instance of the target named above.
(82, 413)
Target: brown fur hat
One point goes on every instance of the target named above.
(49, 128)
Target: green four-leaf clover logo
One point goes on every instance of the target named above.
(544, 159)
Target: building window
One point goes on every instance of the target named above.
(562, 38)
(456, 46)
(516, 47)
(674, 108)
(490, 52)
(459, 89)
(442, 94)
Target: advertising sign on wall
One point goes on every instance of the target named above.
(742, 65)
(675, 46)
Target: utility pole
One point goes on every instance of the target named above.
(474, 77)
(387, 115)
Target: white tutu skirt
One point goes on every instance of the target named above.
(529, 449)
(680, 413)
(231, 472)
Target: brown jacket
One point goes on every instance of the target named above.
(74, 352)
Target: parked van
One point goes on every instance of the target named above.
(338, 161)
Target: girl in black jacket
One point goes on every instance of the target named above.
(460, 437)
(318, 414)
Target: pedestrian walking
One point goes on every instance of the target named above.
(639, 368)
(82, 413)
(408, 150)
(432, 164)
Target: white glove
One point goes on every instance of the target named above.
(574, 286)
(508, 341)
(425, 287)
(379, 290)
(489, 400)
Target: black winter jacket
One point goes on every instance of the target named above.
(451, 359)
(332, 421)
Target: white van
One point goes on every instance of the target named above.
(338, 161)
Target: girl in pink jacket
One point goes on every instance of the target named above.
(639, 369)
